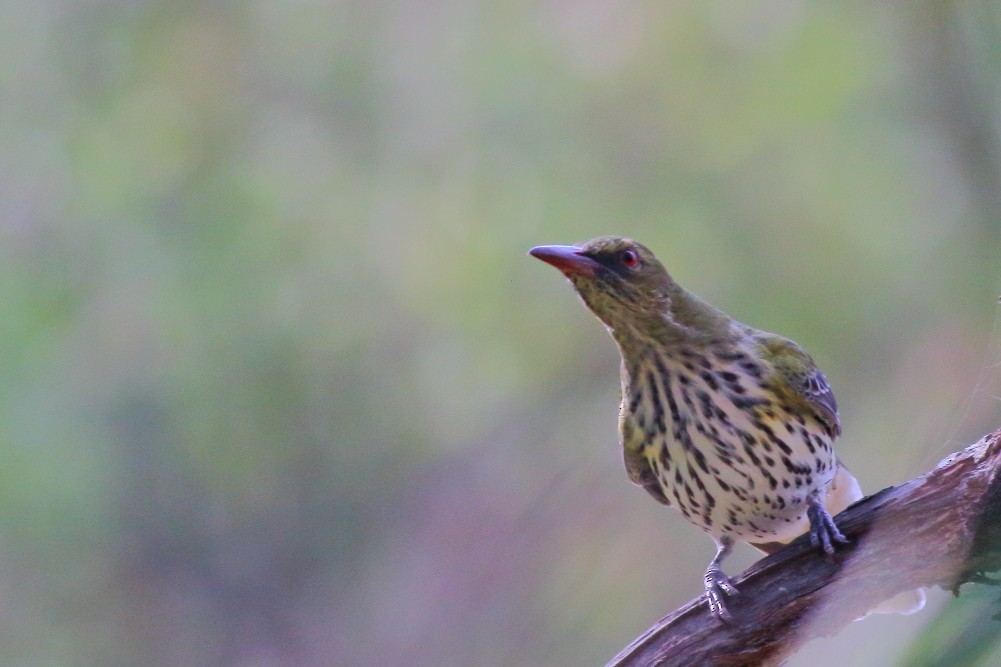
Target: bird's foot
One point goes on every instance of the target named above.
(823, 531)
(718, 587)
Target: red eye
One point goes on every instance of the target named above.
(630, 259)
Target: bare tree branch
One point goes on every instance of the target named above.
(941, 529)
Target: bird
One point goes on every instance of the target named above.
(732, 426)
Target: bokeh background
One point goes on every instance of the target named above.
(280, 385)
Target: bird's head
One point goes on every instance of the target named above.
(620, 280)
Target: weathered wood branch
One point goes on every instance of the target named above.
(941, 529)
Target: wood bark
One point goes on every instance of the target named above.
(940, 529)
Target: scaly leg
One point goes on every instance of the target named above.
(717, 583)
(823, 531)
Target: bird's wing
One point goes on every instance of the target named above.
(640, 472)
(818, 392)
(800, 377)
(637, 465)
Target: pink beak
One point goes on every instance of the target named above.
(567, 258)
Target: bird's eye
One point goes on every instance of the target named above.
(630, 259)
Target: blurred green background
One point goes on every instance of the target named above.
(281, 386)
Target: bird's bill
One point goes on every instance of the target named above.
(567, 258)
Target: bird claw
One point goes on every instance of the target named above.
(718, 587)
(823, 531)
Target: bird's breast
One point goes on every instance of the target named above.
(726, 450)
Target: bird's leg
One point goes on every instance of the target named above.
(717, 583)
(823, 531)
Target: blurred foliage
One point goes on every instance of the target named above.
(964, 634)
(281, 387)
